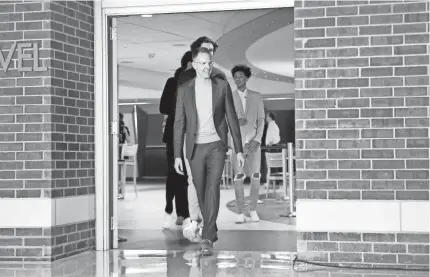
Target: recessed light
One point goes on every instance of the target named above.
(146, 15)
(179, 44)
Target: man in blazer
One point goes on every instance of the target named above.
(250, 110)
(204, 106)
(192, 228)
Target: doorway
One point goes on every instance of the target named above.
(145, 101)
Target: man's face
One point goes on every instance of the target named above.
(203, 65)
(240, 79)
(208, 46)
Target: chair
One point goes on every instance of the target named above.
(274, 160)
(227, 174)
(130, 151)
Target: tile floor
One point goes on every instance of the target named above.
(146, 211)
(149, 263)
(141, 218)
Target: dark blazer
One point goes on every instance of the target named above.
(167, 107)
(223, 112)
(168, 98)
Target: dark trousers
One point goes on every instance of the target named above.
(207, 165)
(176, 187)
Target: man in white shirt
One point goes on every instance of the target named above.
(250, 110)
(204, 113)
(272, 135)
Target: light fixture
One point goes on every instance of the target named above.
(146, 15)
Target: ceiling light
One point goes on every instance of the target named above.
(179, 44)
(146, 15)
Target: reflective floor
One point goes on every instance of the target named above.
(141, 219)
(183, 264)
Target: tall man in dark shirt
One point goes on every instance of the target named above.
(176, 184)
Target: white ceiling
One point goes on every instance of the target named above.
(150, 48)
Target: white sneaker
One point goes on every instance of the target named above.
(189, 231)
(241, 218)
(198, 237)
(254, 216)
(168, 221)
(186, 222)
(260, 201)
(198, 234)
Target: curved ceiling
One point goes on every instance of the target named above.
(274, 54)
(150, 49)
(256, 37)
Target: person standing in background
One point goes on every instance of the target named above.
(272, 138)
(176, 184)
(124, 138)
(273, 133)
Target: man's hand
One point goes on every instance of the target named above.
(242, 121)
(252, 146)
(179, 167)
(240, 159)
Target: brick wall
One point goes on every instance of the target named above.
(46, 244)
(47, 118)
(362, 118)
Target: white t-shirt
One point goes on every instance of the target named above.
(206, 131)
(272, 135)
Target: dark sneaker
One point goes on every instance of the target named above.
(207, 247)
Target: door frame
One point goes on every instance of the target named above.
(103, 10)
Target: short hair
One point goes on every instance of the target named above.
(121, 116)
(272, 115)
(198, 43)
(199, 50)
(242, 68)
(186, 58)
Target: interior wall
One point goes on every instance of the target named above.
(155, 151)
(142, 126)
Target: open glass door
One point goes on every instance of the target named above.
(114, 130)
